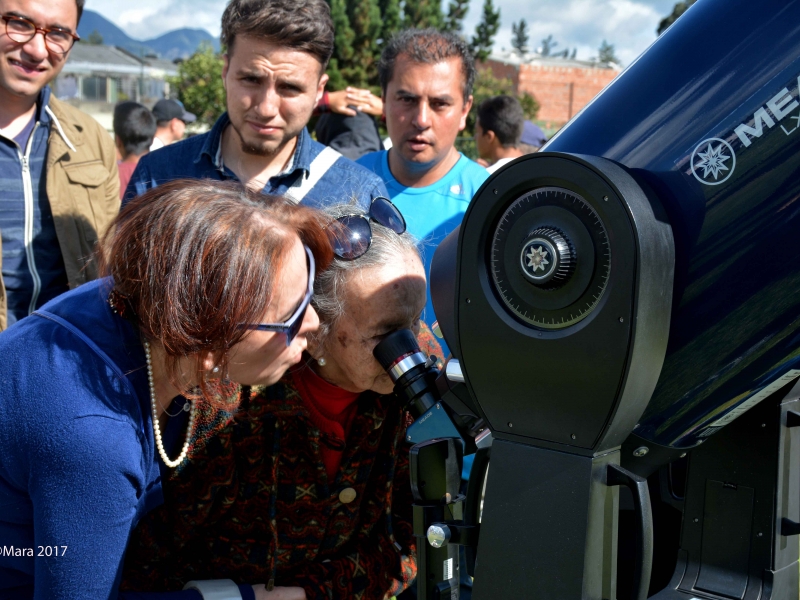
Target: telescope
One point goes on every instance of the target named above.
(623, 312)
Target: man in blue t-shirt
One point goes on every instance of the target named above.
(426, 77)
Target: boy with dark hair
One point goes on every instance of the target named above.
(274, 76)
(134, 128)
(498, 129)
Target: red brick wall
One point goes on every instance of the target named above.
(561, 91)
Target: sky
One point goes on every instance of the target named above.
(630, 25)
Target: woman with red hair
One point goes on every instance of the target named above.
(207, 283)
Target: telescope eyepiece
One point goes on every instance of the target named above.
(399, 353)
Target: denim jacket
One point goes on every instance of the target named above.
(200, 157)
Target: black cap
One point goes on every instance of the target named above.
(166, 110)
(533, 135)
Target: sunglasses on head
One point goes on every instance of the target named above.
(292, 326)
(351, 235)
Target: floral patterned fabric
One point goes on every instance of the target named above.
(254, 504)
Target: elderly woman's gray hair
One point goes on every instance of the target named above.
(387, 248)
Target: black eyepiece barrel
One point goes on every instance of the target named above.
(395, 346)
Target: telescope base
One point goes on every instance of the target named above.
(742, 499)
(549, 527)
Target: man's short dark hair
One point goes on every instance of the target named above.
(304, 25)
(80, 4)
(428, 46)
(135, 125)
(504, 116)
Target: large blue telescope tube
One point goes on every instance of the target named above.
(709, 118)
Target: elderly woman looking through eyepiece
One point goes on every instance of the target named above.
(206, 282)
(306, 488)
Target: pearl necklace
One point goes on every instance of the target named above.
(156, 429)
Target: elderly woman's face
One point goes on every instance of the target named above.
(378, 301)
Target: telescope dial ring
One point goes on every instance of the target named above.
(550, 258)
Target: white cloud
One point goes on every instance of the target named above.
(152, 18)
(630, 25)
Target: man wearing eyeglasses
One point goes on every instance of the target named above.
(59, 187)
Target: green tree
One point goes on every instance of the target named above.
(343, 53)
(422, 14)
(456, 11)
(94, 38)
(520, 38)
(365, 23)
(605, 54)
(391, 19)
(530, 106)
(481, 44)
(199, 84)
(677, 11)
(547, 45)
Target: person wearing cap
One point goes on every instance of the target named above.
(58, 168)
(532, 138)
(274, 76)
(498, 129)
(171, 120)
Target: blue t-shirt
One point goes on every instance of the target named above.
(433, 211)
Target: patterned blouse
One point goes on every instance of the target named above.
(254, 504)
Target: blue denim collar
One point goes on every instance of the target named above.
(212, 149)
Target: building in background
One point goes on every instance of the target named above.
(96, 77)
(563, 86)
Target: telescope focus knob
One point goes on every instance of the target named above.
(547, 258)
(438, 535)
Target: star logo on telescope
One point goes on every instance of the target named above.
(537, 258)
(713, 161)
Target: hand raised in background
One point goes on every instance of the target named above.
(352, 100)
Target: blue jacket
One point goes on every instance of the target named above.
(199, 157)
(78, 466)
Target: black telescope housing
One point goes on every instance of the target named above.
(622, 309)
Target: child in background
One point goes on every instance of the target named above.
(134, 128)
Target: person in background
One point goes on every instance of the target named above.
(532, 138)
(274, 76)
(498, 129)
(353, 136)
(134, 128)
(307, 487)
(50, 155)
(426, 80)
(171, 119)
(94, 382)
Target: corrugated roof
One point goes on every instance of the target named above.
(99, 53)
(86, 58)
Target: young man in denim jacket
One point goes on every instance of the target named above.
(274, 75)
